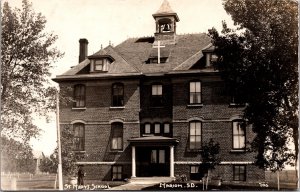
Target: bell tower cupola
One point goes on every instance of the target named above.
(165, 23)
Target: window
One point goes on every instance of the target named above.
(153, 156)
(147, 128)
(78, 136)
(157, 95)
(239, 138)
(117, 95)
(194, 172)
(101, 65)
(117, 172)
(236, 100)
(239, 173)
(158, 156)
(210, 59)
(166, 128)
(117, 136)
(195, 92)
(195, 135)
(156, 128)
(79, 96)
(161, 156)
(155, 60)
(197, 172)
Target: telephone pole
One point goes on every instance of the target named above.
(60, 179)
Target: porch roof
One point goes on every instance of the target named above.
(153, 140)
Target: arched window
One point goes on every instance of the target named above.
(117, 136)
(117, 94)
(79, 96)
(78, 139)
(195, 135)
(238, 134)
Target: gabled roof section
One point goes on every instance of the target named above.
(118, 65)
(153, 140)
(131, 56)
(209, 48)
(187, 47)
(192, 60)
(164, 10)
(75, 69)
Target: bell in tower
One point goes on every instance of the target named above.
(165, 20)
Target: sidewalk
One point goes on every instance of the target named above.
(132, 186)
(140, 183)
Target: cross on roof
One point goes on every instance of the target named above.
(158, 46)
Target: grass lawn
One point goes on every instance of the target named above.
(199, 187)
(47, 182)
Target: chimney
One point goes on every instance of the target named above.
(83, 49)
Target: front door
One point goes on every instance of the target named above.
(153, 161)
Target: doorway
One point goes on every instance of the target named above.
(153, 161)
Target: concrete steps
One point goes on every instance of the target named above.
(150, 180)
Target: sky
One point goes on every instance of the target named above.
(102, 21)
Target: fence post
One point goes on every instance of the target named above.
(13, 183)
(55, 181)
(278, 180)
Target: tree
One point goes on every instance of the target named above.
(16, 157)
(48, 164)
(209, 154)
(27, 53)
(258, 61)
(68, 156)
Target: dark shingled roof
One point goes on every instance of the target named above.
(137, 52)
(153, 139)
(131, 55)
(119, 65)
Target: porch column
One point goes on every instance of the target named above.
(171, 161)
(133, 168)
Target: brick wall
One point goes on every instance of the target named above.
(98, 102)
(220, 132)
(98, 116)
(253, 174)
(147, 110)
(216, 116)
(104, 172)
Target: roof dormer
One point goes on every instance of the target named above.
(210, 56)
(100, 63)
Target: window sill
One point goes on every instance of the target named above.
(194, 150)
(75, 151)
(78, 108)
(158, 107)
(195, 105)
(237, 151)
(116, 151)
(119, 107)
(236, 105)
(98, 71)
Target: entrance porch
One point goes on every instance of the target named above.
(153, 156)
